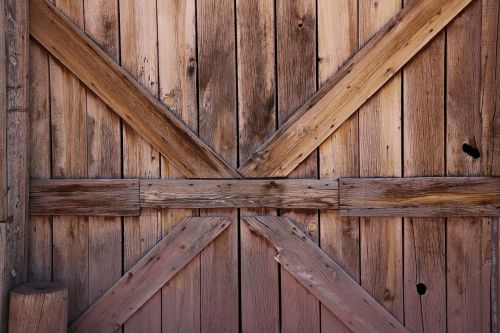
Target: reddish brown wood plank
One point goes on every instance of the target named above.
(324, 278)
(150, 273)
(110, 197)
(358, 80)
(123, 94)
(289, 193)
(424, 153)
(420, 196)
(339, 153)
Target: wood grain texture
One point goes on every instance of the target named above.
(123, 94)
(467, 154)
(352, 86)
(290, 193)
(420, 196)
(106, 197)
(257, 120)
(15, 144)
(139, 56)
(177, 74)
(296, 62)
(338, 154)
(380, 155)
(150, 273)
(40, 227)
(424, 238)
(324, 278)
(218, 128)
(40, 307)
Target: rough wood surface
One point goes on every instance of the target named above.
(420, 196)
(339, 153)
(346, 91)
(109, 197)
(324, 278)
(217, 101)
(123, 94)
(424, 238)
(39, 307)
(245, 193)
(3, 124)
(150, 273)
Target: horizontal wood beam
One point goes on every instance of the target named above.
(323, 277)
(155, 269)
(243, 193)
(124, 95)
(420, 197)
(107, 197)
(351, 86)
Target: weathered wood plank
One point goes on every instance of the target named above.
(324, 278)
(339, 153)
(424, 238)
(256, 63)
(107, 197)
(420, 196)
(150, 273)
(218, 128)
(177, 74)
(346, 91)
(296, 79)
(123, 94)
(289, 193)
(3, 123)
(467, 239)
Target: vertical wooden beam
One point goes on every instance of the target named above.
(177, 83)
(218, 128)
(339, 154)
(257, 121)
(380, 155)
(138, 35)
(104, 154)
(424, 150)
(468, 239)
(296, 55)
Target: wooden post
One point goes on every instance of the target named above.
(40, 307)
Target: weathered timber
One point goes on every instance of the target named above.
(39, 307)
(324, 278)
(347, 90)
(150, 273)
(420, 196)
(123, 94)
(104, 197)
(285, 193)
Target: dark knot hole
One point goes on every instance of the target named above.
(421, 288)
(471, 151)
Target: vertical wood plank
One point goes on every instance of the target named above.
(380, 155)
(424, 238)
(69, 160)
(138, 36)
(257, 121)
(40, 227)
(3, 119)
(218, 127)
(104, 154)
(296, 56)
(177, 84)
(468, 151)
(339, 157)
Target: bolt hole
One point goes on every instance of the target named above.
(421, 289)
(471, 151)
(301, 23)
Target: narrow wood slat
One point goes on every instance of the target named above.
(243, 193)
(324, 278)
(346, 91)
(104, 197)
(123, 94)
(150, 273)
(420, 197)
